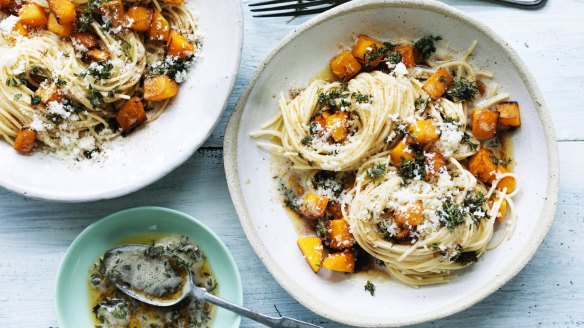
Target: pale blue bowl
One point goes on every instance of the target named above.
(73, 308)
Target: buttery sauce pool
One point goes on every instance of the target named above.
(112, 308)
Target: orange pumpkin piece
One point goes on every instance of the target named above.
(422, 132)
(140, 18)
(411, 214)
(49, 92)
(345, 66)
(407, 54)
(338, 234)
(20, 29)
(401, 151)
(174, 2)
(179, 46)
(365, 45)
(434, 163)
(342, 261)
(312, 249)
(295, 185)
(337, 124)
(113, 11)
(506, 182)
(437, 83)
(313, 206)
(131, 114)
(32, 15)
(98, 55)
(509, 114)
(159, 88)
(24, 142)
(481, 165)
(502, 209)
(159, 28)
(86, 40)
(6, 4)
(484, 123)
(64, 30)
(334, 211)
(64, 11)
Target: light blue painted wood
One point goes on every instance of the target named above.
(34, 235)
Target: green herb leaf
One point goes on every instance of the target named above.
(370, 287)
(425, 46)
(461, 90)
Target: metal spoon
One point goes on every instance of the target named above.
(189, 289)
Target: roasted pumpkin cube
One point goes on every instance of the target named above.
(179, 46)
(502, 209)
(6, 4)
(337, 125)
(312, 249)
(482, 166)
(345, 66)
(409, 215)
(507, 182)
(434, 163)
(407, 54)
(86, 40)
(64, 11)
(338, 234)
(484, 123)
(422, 132)
(159, 28)
(49, 92)
(159, 87)
(131, 114)
(334, 211)
(32, 15)
(97, 55)
(20, 29)
(401, 151)
(25, 140)
(139, 18)
(365, 49)
(509, 115)
(341, 261)
(295, 186)
(113, 12)
(64, 30)
(313, 206)
(437, 83)
(174, 2)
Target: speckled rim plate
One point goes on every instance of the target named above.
(72, 301)
(282, 275)
(154, 150)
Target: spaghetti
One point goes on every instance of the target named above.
(74, 85)
(403, 159)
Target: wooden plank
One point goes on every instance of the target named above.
(34, 236)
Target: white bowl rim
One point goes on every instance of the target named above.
(184, 156)
(295, 290)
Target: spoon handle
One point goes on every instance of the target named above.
(282, 322)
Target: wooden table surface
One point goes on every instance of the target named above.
(34, 235)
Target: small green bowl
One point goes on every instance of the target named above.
(73, 304)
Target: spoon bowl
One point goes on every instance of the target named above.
(164, 282)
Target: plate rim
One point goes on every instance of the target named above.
(295, 290)
(184, 156)
(163, 210)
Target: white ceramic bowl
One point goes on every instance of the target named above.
(155, 149)
(302, 55)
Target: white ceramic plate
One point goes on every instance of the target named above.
(302, 55)
(155, 149)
